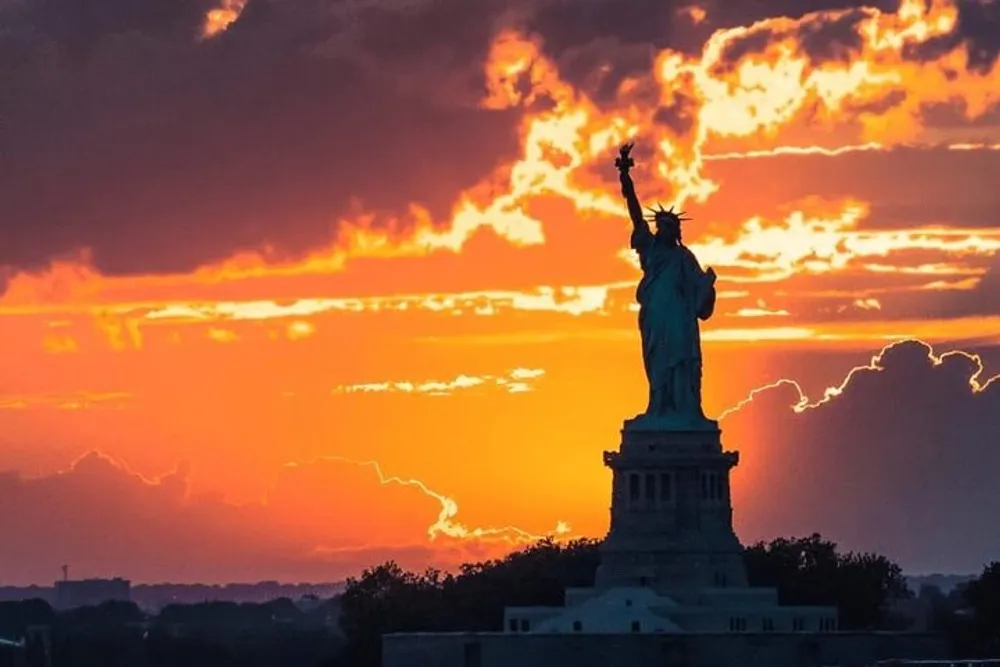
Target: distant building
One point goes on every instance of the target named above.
(90, 592)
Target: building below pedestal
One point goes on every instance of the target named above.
(642, 610)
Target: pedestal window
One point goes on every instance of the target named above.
(666, 490)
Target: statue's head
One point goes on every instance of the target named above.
(668, 224)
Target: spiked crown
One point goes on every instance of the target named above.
(659, 213)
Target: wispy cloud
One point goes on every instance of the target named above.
(834, 151)
(516, 381)
(79, 400)
(828, 240)
(761, 310)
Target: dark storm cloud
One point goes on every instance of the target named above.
(726, 13)
(161, 151)
(826, 38)
(903, 462)
(822, 39)
(979, 25)
(622, 38)
(978, 32)
(599, 67)
(124, 132)
(755, 41)
(79, 25)
(680, 115)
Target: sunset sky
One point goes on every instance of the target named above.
(292, 287)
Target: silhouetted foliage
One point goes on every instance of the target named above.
(106, 615)
(206, 635)
(388, 599)
(16, 617)
(983, 597)
(232, 615)
(807, 571)
(942, 609)
(538, 575)
(810, 571)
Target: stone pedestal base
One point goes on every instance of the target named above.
(671, 517)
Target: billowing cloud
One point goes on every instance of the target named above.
(321, 520)
(900, 458)
(129, 134)
(245, 141)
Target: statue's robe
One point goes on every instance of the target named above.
(673, 295)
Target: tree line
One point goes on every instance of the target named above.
(210, 634)
(868, 590)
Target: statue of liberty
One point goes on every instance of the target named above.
(673, 295)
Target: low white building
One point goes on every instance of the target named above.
(628, 610)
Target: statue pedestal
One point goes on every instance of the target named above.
(671, 516)
(671, 563)
(670, 423)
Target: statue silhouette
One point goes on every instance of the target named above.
(673, 295)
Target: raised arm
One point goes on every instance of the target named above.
(639, 223)
(624, 163)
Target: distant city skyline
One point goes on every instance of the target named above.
(156, 596)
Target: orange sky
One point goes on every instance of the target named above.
(443, 390)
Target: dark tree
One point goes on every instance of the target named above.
(110, 614)
(536, 576)
(810, 571)
(16, 617)
(385, 599)
(983, 597)
(869, 585)
(388, 599)
(227, 616)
